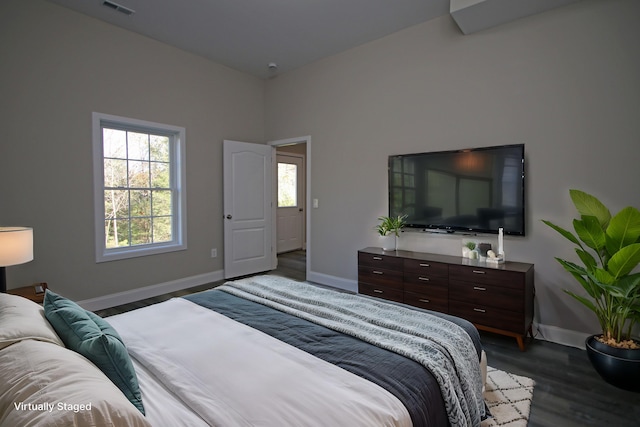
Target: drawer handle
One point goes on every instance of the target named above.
(377, 258)
(479, 272)
(424, 300)
(480, 310)
(425, 265)
(377, 272)
(424, 279)
(378, 291)
(478, 288)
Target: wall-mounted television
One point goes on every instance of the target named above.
(477, 190)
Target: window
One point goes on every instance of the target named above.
(287, 185)
(139, 184)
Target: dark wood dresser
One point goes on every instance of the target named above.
(494, 297)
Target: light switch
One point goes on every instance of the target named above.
(315, 203)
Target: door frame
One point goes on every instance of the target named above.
(291, 141)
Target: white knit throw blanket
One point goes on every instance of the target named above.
(441, 346)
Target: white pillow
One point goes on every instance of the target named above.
(35, 373)
(22, 319)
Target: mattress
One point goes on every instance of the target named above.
(214, 358)
(412, 383)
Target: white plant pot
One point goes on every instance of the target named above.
(388, 242)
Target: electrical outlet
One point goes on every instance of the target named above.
(214, 253)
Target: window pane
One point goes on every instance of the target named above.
(138, 146)
(116, 204)
(159, 148)
(161, 202)
(140, 203)
(140, 231)
(115, 173)
(160, 175)
(162, 229)
(114, 143)
(287, 185)
(139, 174)
(116, 233)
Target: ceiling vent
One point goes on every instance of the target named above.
(118, 7)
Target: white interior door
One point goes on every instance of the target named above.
(290, 199)
(247, 175)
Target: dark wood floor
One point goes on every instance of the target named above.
(568, 392)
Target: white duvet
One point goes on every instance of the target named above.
(229, 374)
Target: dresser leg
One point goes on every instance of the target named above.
(520, 340)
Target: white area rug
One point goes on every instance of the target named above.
(508, 397)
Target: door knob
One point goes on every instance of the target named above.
(229, 216)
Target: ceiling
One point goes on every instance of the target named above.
(248, 35)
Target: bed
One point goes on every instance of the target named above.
(261, 351)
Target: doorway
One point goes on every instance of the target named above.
(290, 206)
(294, 217)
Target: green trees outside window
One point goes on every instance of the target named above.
(137, 188)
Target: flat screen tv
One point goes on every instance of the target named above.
(477, 190)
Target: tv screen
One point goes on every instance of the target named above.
(476, 190)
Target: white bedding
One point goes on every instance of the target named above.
(232, 375)
(162, 407)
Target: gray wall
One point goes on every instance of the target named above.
(57, 66)
(565, 82)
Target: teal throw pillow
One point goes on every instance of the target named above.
(93, 337)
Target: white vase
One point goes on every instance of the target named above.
(388, 242)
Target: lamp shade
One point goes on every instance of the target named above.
(16, 245)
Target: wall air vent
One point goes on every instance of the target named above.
(118, 7)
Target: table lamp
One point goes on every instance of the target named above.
(16, 247)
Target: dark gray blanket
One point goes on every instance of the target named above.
(408, 380)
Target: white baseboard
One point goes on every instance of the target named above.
(333, 281)
(126, 297)
(560, 336)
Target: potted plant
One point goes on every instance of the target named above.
(609, 250)
(391, 226)
(467, 250)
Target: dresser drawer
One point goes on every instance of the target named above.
(417, 279)
(504, 278)
(428, 291)
(433, 302)
(380, 277)
(380, 261)
(489, 316)
(427, 268)
(391, 294)
(511, 299)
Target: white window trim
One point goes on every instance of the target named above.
(178, 176)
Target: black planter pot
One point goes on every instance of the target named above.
(617, 366)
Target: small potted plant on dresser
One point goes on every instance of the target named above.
(609, 249)
(389, 229)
